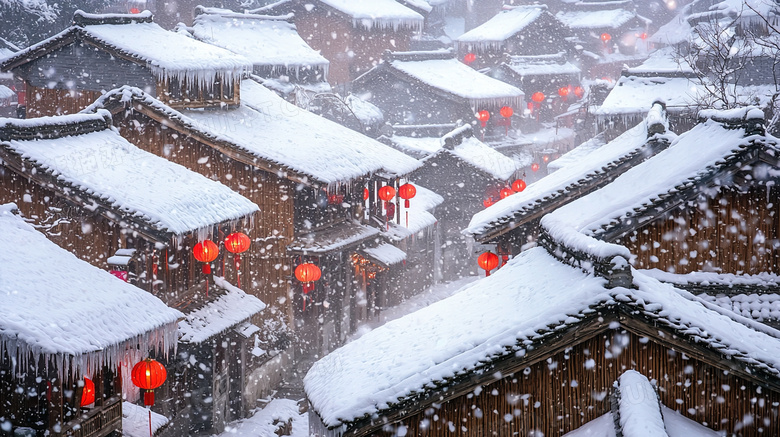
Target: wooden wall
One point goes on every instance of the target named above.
(265, 267)
(571, 388)
(731, 232)
(43, 102)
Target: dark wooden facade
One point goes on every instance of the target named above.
(38, 398)
(558, 388)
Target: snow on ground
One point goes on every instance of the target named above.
(266, 421)
(414, 303)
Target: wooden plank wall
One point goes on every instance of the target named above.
(265, 267)
(42, 102)
(730, 233)
(571, 388)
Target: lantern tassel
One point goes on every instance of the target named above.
(149, 398)
(150, 422)
(237, 261)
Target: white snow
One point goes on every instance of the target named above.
(760, 307)
(377, 13)
(191, 60)
(220, 314)
(636, 94)
(502, 26)
(541, 65)
(56, 306)
(6, 95)
(135, 420)
(332, 238)
(420, 216)
(676, 424)
(386, 254)
(458, 79)
(265, 422)
(264, 40)
(498, 315)
(679, 164)
(577, 154)
(558, 183)
(272, 130)
(602, 19)
(640, 411)
(105, 165)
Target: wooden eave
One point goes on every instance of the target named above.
(591, 182)
(19, 59)
(631, 317)
(228, 149)
(676, 196)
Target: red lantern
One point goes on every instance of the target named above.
(518, 185)
(308, 274)
(205, 251)
(237, 243)
(88, 395)
(488, 202)
(365, 193)
(563, 91)
(537, 97)
(546, 158)
(386, 193)
(579, 92)
(149, 374)
(407, 191)
(507, 112)
(135, 11)
(505, 192)
(469, 58)
(606, 37)
(534, 167)
(643, 35)
(488, 261)
(483, 116)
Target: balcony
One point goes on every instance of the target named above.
(97, 422)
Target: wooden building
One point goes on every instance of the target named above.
(65, 329)
(535, 349)
(140, 216)
(67, 72)
(429, 89)
(512, 224)
(278, 53)
(466, 173)
(351, 34)
(528, 30)
(306, 173)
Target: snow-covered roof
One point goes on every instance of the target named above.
(636, 94)
(468, 148)
(675, 423)
(56, 306)
(501, 316)
(122, 177)
(555, 64)
(333, 238)
(557, 186)
(274, 131)
(377, 13)
(218, 315)
(420, 216)
(502, 26)
(386, 254)
(595, 19)
(761, 307)
(135, 420)
(6, 94)
(136, 37)
(264, 40)
(447, 74)
(663, 61)
(578, 153)
(685, 164)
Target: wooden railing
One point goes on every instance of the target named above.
(98, 422)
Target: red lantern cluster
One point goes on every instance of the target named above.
(488, 261)
(88, 393)
(308, 274)
(148, 375)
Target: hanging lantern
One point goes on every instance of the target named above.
(488, 202)
(606, 37)
(505, 192)
(483, 116)
(205, 251)
(386, 193)
(407, 191)
(507, 111)
(88, 394)
(518, 185)
(563, 91)
(135, 11)
(365, 193)
(237, 243)
(579, 92)
(535, 167)
(488, 261)
(149, 374)
(643, 35)
(537, 97)
(308, 274)
(546, 158)
(469, 58)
